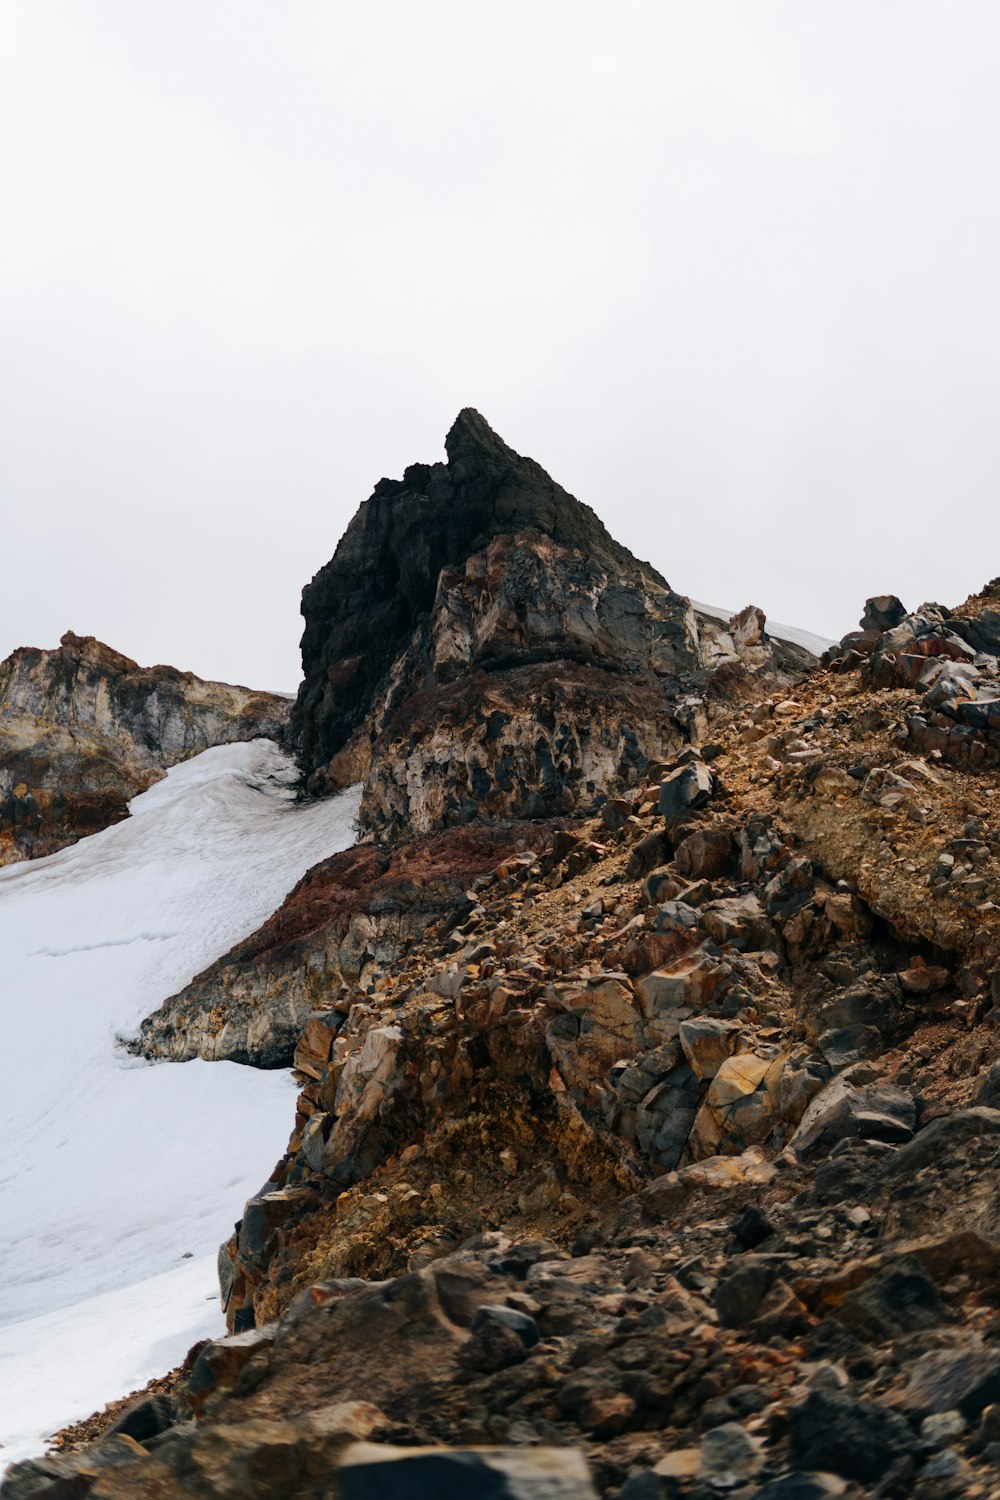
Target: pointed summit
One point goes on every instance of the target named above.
(361, 609)
(471, 436)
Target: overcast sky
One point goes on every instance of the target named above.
(727, 268)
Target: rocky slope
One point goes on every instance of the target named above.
(648, 1150)
(83, 730)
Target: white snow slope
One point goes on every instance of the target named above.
(118, 1179)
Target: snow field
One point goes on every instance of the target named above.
(119, 1179)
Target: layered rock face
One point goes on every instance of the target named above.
(480, 645)
(84, 729)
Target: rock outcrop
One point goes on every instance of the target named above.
(479, 645)
(83, 730)
(343, 927)
(946, 661)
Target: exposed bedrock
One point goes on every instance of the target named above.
(362, 607)
(947, 661)
(533, 742)
(447, 589)
(84, 729)
(346, 923)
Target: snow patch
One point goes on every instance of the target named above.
(113, 1170)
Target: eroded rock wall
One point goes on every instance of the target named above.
(84, 729)
(361, 608)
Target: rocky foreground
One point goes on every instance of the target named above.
(648, 1142)
(84, 729)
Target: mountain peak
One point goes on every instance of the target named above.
(361, 609)
(470, 432)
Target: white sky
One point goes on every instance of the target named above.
(727, 268)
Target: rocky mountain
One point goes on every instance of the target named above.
(480, 646)
(648, 1135)
(84, 729)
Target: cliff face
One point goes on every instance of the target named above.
(83, 730)
(480, 645)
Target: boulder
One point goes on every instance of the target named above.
(965, 1380)
(741, 1106)
(855, 1439)
(687, 788)
(221, 1362)
(730, 1453)
(500, 1337)
(704, 854)
(844, 1047)
(707, 1042)
(883, 612)
(739, 921)
(696, 980)
(924, 979)
(879, 1112)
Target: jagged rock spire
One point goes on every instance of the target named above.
(361, 608)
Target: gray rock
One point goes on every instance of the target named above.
(944, 1133)
(731, 1451)
(942, 1427)
(876, 1112)
(945, 1466)
(689, 787)
(948, 1380)
(883, 612)
(843, 1048)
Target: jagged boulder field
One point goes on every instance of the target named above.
(648, 1143)
(84, 729)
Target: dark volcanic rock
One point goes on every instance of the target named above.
(361, 609)
(857, 1439)
(480, 646)
(451, 1474)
